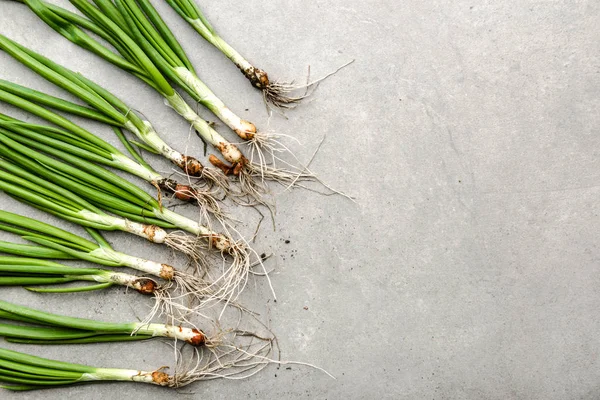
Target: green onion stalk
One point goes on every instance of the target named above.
(51, 242)
(21, 372)
(104, 107)
(60, 329)
(276, 93)
(143, 23)
(232, 358)
(28, 272)
(60, 244)
(108, 23)
(74, 139)
(81, 192)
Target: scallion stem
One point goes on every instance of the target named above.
(276, 93)
(73, 328)
(106, 107)
(135, 54)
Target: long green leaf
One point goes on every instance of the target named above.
(68, 322)
(77, 289)
(41, 366)
(56, 119)
(85, 256)
(72, 32)
(26, 280)
(142, 59)
(56, 103)
(47, 229)
(92, 339)
(52, 145)
(63, 77)
(124, 195)
(164, 31)
(32, 251)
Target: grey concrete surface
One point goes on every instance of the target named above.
(467, 131)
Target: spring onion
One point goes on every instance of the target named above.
(55, 243)
(132, 57)
(74, 139)
(274, 92)
(20, 371)
(78, 192)
(72, 329)
(19, 271)
(105, 107)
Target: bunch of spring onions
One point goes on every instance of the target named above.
(56, 243)
(65, 170)
(105, 107)
(50, 242)
(75, 140)
(146, 48)
(22, 372)
(224, 358)
(79, 191)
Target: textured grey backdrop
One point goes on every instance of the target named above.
(468, 133)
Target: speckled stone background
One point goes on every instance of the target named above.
(467, 131)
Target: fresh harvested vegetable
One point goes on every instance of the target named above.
(76, 192)
(60, 244)
(277, 93)
(75, 140)
(152, 34)
(108, 23)
(20, 372)
(129, 56)
(60, 329)
(32, 251)
(56, 243)
(19, 271)
(105, 107)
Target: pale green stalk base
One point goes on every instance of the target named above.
(126, 375)
(150, 267)
(118, 278)
(192, 336)
(214, 104)
(230, 152)
(220, 44)
(152, 233)
(203, 128)
(137, 169)
(150, 137)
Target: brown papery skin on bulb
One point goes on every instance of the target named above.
(191, 166)
(167, 272)
(160, 378)
(258, 77)
(145, 286)
(199, 339)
